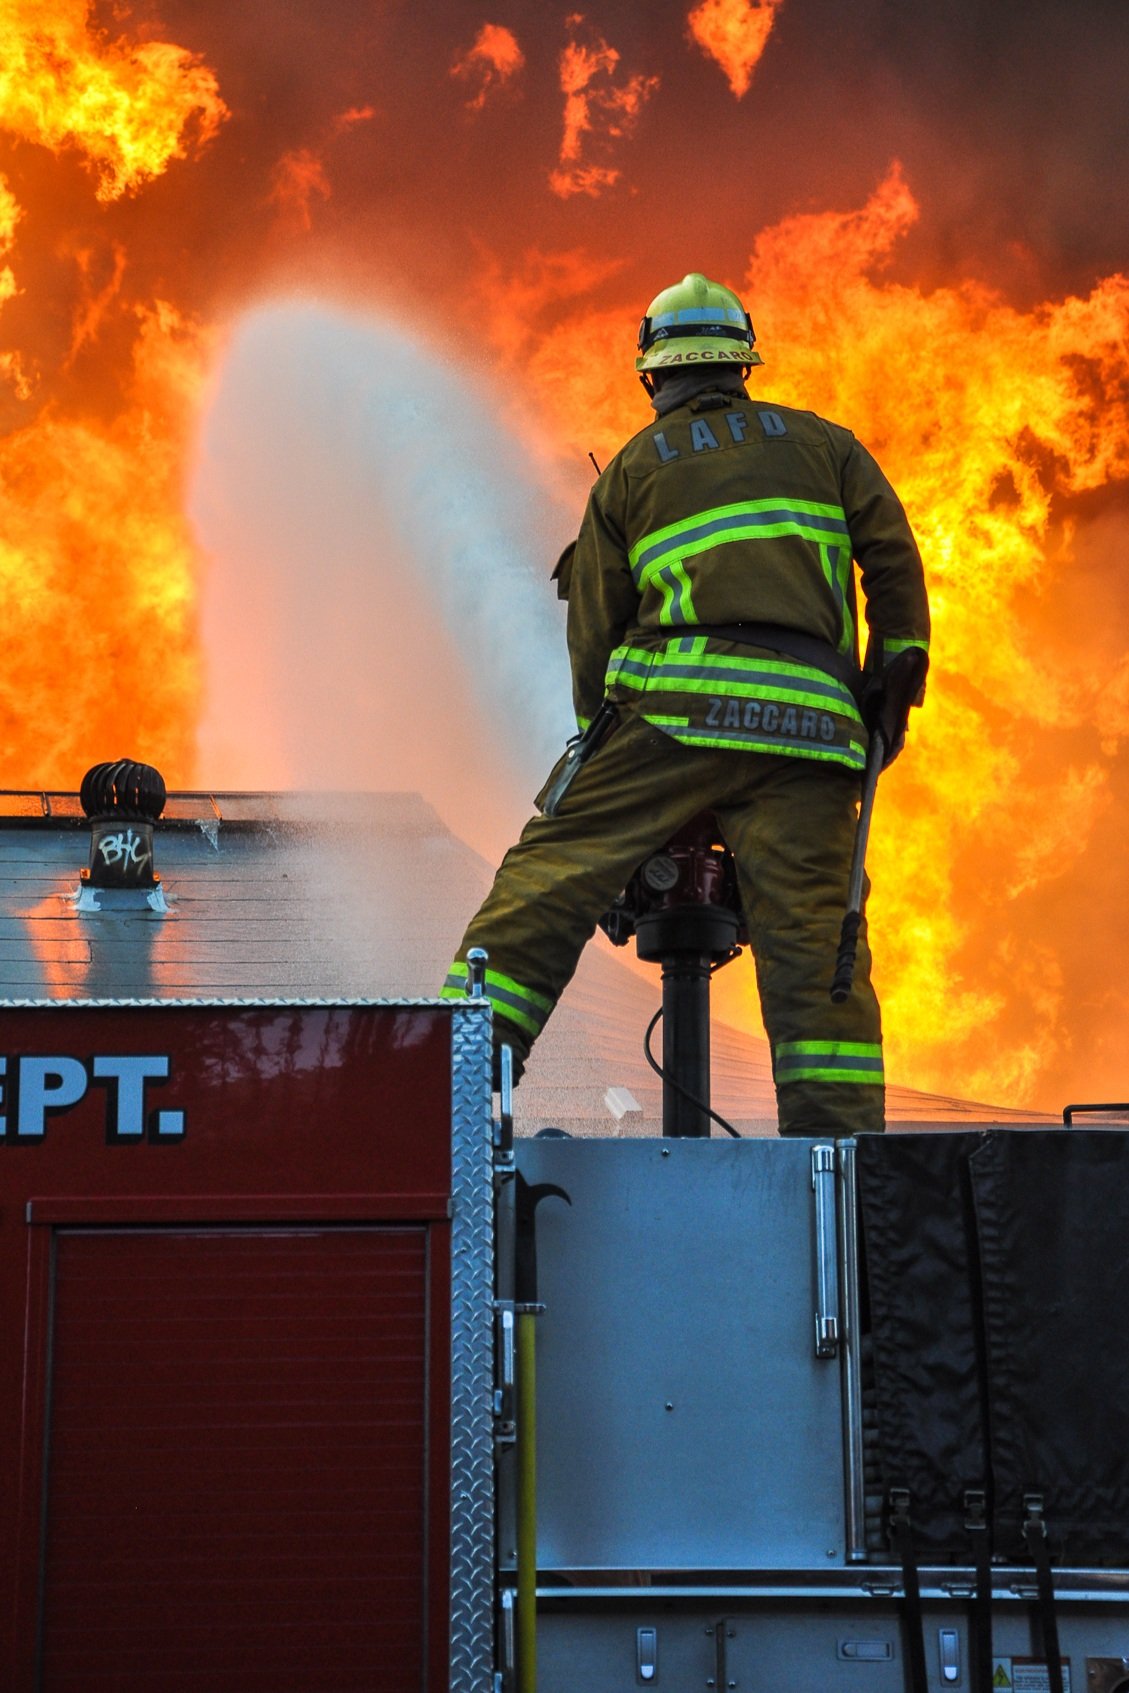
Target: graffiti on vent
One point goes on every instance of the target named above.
(126, 849)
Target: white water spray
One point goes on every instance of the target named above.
(378, 613)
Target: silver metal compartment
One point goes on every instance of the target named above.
(684, 1418)
(782, 1646)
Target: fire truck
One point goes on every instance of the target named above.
(319, 1378)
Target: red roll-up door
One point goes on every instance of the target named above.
(236, 1462)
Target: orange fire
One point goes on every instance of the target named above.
(136, 221)
(492, 60)
(10, 367)
(598, 110)
(734, 32)
(98, 569)
(128, 108)
(989, 421)
(100, 575)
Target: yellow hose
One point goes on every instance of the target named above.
(526, 1408)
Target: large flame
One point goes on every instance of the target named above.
(97, 567)
(128, 107)
(516, 195)
(99, 575)
(989, 421)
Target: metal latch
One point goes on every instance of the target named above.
(505, 1122)
(976, 1510)
(507, 1651)
(948, 1651)
(646, 1654)
(865, 1651)
(826, 1255)
(504, 1388)
(1034, 1522)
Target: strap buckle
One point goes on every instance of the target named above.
(976, 1510)
(898, 1501)
(1034, 1522)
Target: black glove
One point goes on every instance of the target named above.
(888, 695)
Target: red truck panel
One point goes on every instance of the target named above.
(225, 1265)
(236, 1437)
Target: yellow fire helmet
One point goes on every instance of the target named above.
(696, 322)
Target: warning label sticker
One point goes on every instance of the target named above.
(1026, 1675)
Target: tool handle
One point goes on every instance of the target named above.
(550, 805)
(852, 921)
(579, 752)
(845, 962)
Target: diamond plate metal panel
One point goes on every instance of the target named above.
(472, 1352)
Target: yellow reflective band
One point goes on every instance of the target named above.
(744, 520)
(772, 693)
(674, 585)
(891, 647)
(865, 1077)
(852, 756)
(675, 671)
(836, 565)
(830, 1048)
(523, 1006)
(857, 1062)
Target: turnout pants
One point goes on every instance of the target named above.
(789, 823)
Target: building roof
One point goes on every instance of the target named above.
(349, 896)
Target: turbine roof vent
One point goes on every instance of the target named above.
(123, 801)
(124, 789)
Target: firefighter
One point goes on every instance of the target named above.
(711, 601)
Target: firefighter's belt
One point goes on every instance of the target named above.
(792, 643)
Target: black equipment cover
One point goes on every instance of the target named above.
(997, 1267)
(916, 1226)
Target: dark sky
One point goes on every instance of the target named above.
(1011, 122)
